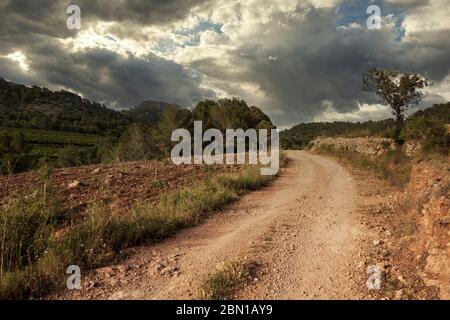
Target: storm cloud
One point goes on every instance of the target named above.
(298, 60)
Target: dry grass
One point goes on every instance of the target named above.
(34, 261)
(226, 280)
(393, 166)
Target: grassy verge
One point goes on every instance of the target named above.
(393, 166)
(34, 258)
(226, 280)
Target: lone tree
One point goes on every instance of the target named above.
(399, 90)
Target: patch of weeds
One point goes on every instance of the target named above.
(394, 166)
(157, 184)
(226, 280)
(33, 262)
(27, 225)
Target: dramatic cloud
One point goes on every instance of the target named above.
(34, 35)
(297, 60)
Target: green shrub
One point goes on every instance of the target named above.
(227, 278)
(249, 179)
(197, 202)
(71, 156)
(26, 225)
(431, 132)
(33, 281)
(105, 150)
(89, 243)
(136, 143)
(13, 148)
(393, 166)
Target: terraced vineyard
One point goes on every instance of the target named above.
(37, 136)
(47, 143)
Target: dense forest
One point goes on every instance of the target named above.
(39, 108)
(39, 126)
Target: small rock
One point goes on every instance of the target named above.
(92, 284)
(401, 279)
(399, 294)
(96, 171)
(376, 242)
(74, 184)
(444, 221)
(169, 271)
(123, 269)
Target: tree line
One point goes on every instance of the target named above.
(138, 140)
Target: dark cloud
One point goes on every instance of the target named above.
(297, 65)
(25, 21)
(143, 12)
(317, 62)
(35, 28)
(119, 80)
(106, 76)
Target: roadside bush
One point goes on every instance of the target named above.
(226, 279)
(432, 134)
(197, 202)
(136, 143)
(71, 156)
(26, 225)
(33, 281)
(105, 150)
(13, 148)
(393, 166)
(249, 179)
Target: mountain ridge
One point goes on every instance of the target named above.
(36, 107)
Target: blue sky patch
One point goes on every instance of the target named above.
(355, 11)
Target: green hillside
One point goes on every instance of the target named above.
(39, 126)
(300, 135)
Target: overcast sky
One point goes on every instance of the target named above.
(298, 60)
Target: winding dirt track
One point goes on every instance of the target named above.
(303, 230)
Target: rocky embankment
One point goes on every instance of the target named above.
(367, 146)
(427, 198)
(414, 224)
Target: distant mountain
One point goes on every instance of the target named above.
(40, 108)
(148, 111)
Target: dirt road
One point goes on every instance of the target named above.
(303, 229)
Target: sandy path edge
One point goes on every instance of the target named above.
(303, 229)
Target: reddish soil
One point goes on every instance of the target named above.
(120, 184)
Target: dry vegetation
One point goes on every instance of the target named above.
(412, 221)
(392, 165)
(227, 279)
(39, 240)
